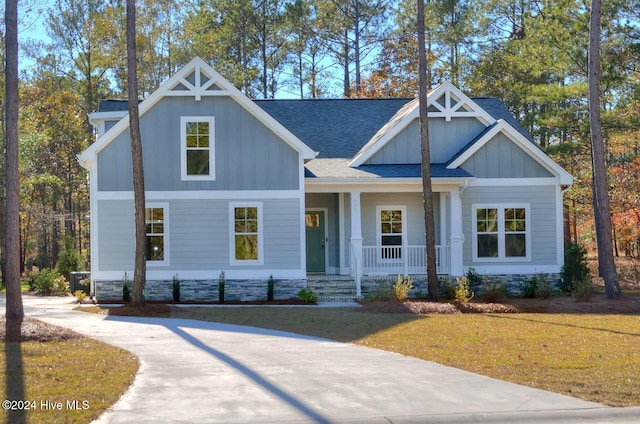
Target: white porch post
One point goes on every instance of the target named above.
(356, 241)
(456, 237)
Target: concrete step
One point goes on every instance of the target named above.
(333, 290)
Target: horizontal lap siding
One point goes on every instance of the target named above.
(542, 207)
(199, 237)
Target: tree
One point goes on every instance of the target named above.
(602, 210)
(140, 264)
(11, 251)
(427, 192)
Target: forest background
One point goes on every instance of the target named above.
(532, 55)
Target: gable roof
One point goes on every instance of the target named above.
(502, 126)
(198, 79)
(446, 101)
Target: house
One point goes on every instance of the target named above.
(316, 191)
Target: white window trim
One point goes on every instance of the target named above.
(403, 210)
(501, 231)
(183, 148)
(232, 234)
(165, 214)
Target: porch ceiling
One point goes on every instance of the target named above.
(338, 168)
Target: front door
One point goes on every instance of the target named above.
(316, 252)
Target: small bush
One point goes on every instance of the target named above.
(544, 288)
(463, 293)
(575, 268)
(221, 282)
(474, 280)
(583, 289)
(307, 296)
(126, 290)
(48, 281)
(270, 288)
(529, 287)
(176, 288)
(80, 295)
(448, 289)
(401, 288)
(493, 291)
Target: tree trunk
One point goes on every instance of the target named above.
(602, 211)
(14, 309)
(427, 197)
(140, 266)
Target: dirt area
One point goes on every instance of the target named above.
(33, 330)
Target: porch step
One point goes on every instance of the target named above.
(343, 290)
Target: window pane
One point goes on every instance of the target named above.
(192, 128)
(396, 227)
(391, 240)
(252, 213)
(246, 247)
(385, 228)
(515, 245)
(312, 220)
(240, 226)
(155, 248)
(487, 245)
(203, 128)
(251, 226)
(203, 141)
(514, 219)
(487, 220)
(192, 141)
(197, 162)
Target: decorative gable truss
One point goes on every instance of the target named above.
(446, 101)
(200, 81)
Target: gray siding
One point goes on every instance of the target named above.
(542, 207)
(446, 139)
(248, 156)
(199, 235)
(501, 158)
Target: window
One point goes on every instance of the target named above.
(246, 233)
(501, 232)
(391, 234)
(157, 234)
(197, 148)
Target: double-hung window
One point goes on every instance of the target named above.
(197, 147)
(391, 231)
(246, 234)
(501, 232)
(157, 229)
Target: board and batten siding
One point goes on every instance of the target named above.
(445, 140)
(199, 235)
(248, 155)
(502, 158)
(542, 208)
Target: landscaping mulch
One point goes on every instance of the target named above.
(33, 330)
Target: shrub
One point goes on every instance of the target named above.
(384, 291)
(463, 293)
(448, 289)
(176, 288)
(126, 290)
(307, 296)
(529, 287)
(221, 282)
(80, 295)
(474, 280)
(69, 259)
(493, 291)
(270, 288)
(402, 287)
(575, 268)
(583, 289)
(48, 281)
(544, 288)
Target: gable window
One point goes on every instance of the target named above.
(157, 234)
(501, 232)
(391, 231)
(197, 147)
(246, 233)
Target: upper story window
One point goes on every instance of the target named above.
(501, 232)
(197, 147)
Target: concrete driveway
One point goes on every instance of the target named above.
(203, 372)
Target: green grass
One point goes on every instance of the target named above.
(593, 357)
(24, 286)
(82, 370)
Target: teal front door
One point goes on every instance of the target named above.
(316, 243)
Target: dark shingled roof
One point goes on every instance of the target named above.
(113, 105)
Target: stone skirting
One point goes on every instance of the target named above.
(203, 290)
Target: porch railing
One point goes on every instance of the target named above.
(391, 260)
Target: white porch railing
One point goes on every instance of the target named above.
(392, 260)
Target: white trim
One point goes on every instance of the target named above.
(93, 224)
(166, 231)
(501, 232)
(232, 245)
(512, 182)
(208, 274)
(404, 221)
(381, 185)
(559, 227)
(510, 269)
(326, 234)
(447, 112)
(521, 141)
(201, 195)
(184, 120)
(342, 234)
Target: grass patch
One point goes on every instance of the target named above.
(77, 369)
(592, 357)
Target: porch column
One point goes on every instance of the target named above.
(456, 238)
(356, 241)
